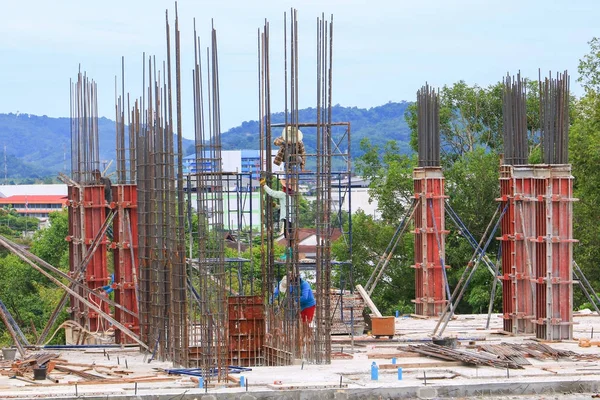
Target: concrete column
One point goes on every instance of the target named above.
(430, 233)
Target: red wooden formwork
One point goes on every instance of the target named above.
(516, 190)
(554, 252)
(87, 212)
(429, 216)
(246, 327)
(125, 246)
(507, 247)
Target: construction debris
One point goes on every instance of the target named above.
(24, 368)
(505, 355)
(347, 312)
(466, 356)
(505, 352)
(59, 371)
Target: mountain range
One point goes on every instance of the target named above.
(36, 148)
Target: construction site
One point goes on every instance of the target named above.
(163, 305)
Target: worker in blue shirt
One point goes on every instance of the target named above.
(307, 298)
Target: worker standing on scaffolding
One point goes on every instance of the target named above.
(104, 181)
(291, 149)
(286, 202)
(98, 179)
(308, 304)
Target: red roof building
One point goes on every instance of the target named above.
(307, 240)
(38, 206)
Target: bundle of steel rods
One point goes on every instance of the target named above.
(162, 285)
(554, 118)
(267, 237)
(428, 127)
(85, 159)
(288, 334)
(85, 155)
(469, 357)
(209, 332)
(515, 121)
(322, 340)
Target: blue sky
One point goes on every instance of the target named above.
(383, 50)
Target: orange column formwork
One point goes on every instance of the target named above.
(430, 283)
(554, 252)
(125, 250)
(516, 195)
(87, 212)
(246, 328)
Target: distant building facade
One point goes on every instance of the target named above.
(38, 206)
(240, 161)
(34, 200)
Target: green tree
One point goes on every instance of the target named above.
(19, 291)
(472, 187)
(370, 238)
(470, 116)
(589, 67)
(29, 296)
(50, 243)
(584, 155)
(390, 176)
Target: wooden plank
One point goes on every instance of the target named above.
(419, 316)
(437, 364)
(368, 301)
(398, 354)
(79, 373)
(338, 355)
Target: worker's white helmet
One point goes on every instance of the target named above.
(283, 285)
(289, 134)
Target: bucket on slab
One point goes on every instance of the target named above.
(39, 373)
(9, 354)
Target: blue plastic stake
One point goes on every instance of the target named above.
(242, 380)
(374, 371)
(200, 382)
(399, 374)
(397, 313)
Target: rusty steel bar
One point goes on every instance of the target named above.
(514, 116)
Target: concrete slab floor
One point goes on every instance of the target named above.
(562, 379)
